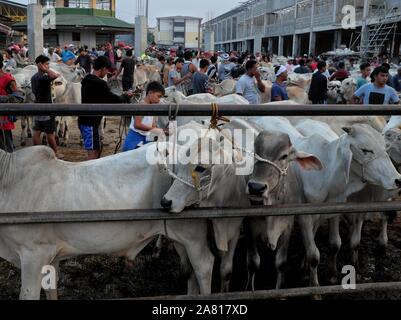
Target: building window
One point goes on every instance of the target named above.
(103, 4)
(50, 3)
(179, 34)
(78, 3)
(76, 36)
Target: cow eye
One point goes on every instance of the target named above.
(200, 169)
(285, 157)
(366, 151)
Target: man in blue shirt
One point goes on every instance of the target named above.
(279, 89)
(377, 92)
(249, 84)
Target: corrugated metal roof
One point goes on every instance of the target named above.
(180, 17)
(15, 4)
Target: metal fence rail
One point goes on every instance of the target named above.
(190, 110)
(202, 213)
(285, 293)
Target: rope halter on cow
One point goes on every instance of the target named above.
(364, 165)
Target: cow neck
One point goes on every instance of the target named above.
(5, 168)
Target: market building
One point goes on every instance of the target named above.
(294, 27)
(82, 22)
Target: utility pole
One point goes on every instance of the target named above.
(35, 30)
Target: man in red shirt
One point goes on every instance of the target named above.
(7, 86)
(341, 73)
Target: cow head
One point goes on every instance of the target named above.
(59, 88)
(348, 88)
(274, 154)
(334, 90)
(371, 161)
(200, 167)
(272, 175)
(393, 145)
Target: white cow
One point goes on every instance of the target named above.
(272, 183)
(109, 183)
(298, 87)
(219, 186)
(343, 159)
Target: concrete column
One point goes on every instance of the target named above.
(209, 40)
(312, 43)
(295, 45)
(337, 39)
(270, 45)
(141, 35)
(335, 4)
(365, 28)
(257, 44)
(312, 35)
(35, 31)
(280, 45)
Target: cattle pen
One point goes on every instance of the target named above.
(174, 110)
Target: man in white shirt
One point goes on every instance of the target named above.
(141, 127)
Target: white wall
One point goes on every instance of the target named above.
(191, 33)
(88, 37)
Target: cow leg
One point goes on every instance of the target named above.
(355, 241)
(29, 120)
(226, 266)
(32, 263)
(202, 261)
(281, 258)
(252, 232)
(66, 131)
(23, 130)
(335, 246)
(193, 287)
(383, 237)
(158, 248)
(312, 252)
(53, 294)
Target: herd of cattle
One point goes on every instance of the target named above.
(294, 160)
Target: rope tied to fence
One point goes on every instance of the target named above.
(214, 122)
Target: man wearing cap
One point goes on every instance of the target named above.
(68, 58)
(225, 67)
(249, 83)
(279, 89)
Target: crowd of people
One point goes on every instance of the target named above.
(189, 71)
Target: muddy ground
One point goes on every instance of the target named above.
(100, 277)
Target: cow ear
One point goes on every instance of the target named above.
(308, 161)
(348, 130)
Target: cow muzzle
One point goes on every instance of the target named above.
(257, 189)
(166, 204)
